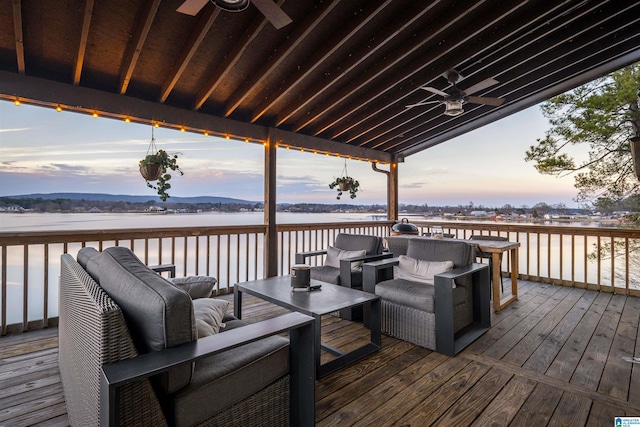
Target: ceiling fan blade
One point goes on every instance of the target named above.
(434, 90)
(272, 12)
(192, 7)
(482, 85)
(420, 104)
(496, 102)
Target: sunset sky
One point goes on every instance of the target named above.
(43, 151)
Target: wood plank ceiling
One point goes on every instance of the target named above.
(338, 77)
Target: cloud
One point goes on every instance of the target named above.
(15, 130)
(414, 185)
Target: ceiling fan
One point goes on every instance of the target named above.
(454, 100)
(268, 8)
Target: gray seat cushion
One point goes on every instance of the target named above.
(159, 315)
(414, 294)
(326, 274)
(224, 379)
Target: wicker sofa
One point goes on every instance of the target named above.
(443, 312)
(130, 353)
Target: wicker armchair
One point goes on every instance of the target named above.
(345, 275)
(446, 314)
(110, 379)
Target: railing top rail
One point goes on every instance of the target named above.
(535, 228)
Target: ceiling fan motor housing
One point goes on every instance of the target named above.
(231, 5)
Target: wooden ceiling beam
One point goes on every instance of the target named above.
(560, 42)
(393, 122)
(607, 66)
(383, 37)
(319, 59)
(82, 44)
(223, 69)
(198, 34)
(19, 37)
(444, 41)
(548, 80)
(302, 31)
(488, 26)
(134, 48)
(393, 59)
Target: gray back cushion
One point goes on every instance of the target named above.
(89, 259)
(460, 253)
(355, 242)
(159, 315)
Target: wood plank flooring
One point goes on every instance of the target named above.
(554, 357)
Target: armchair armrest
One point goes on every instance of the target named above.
(302, 256)
(345, 266)
(171, 268)
(376, 271)
(301, 367)
(446, 341)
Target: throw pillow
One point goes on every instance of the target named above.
(422, 271)
(196, 286)
(334, 255)
(209, 313)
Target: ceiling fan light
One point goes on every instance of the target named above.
(231, 5)
(453, 108)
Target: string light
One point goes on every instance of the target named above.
(206, 133)
(182, 129)
(127, 120)
(156, 124)
(95, 115)
(17, 102)
(58, 108)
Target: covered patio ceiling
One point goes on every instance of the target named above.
(337, 79)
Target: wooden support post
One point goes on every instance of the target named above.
(271, 233)
(392, 192)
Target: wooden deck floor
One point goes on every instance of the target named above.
(554, 357)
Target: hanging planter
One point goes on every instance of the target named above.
(345, 183)
(154, 167)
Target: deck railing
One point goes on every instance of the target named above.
(30, 261)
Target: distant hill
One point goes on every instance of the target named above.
(130, 199)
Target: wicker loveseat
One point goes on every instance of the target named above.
(130, 353)
(443, 312)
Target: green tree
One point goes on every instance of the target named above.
(602, 114)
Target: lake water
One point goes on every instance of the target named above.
(99, 221)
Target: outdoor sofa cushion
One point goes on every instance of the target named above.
(419, 270)
(196, 286)
(414, 294)
(334, 255)
(209, 313)
(159, 314)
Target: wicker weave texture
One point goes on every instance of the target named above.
(92, 332)
(266, 408)
(408, 324)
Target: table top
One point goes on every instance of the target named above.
(484, 245)
(327, 299)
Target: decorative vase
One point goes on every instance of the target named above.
(344, 186)
(151, 172)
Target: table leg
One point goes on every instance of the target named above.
(514, 272)
(318, 342)
(237, 302)
(495, 280)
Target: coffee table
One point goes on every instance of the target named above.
(327, 299)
